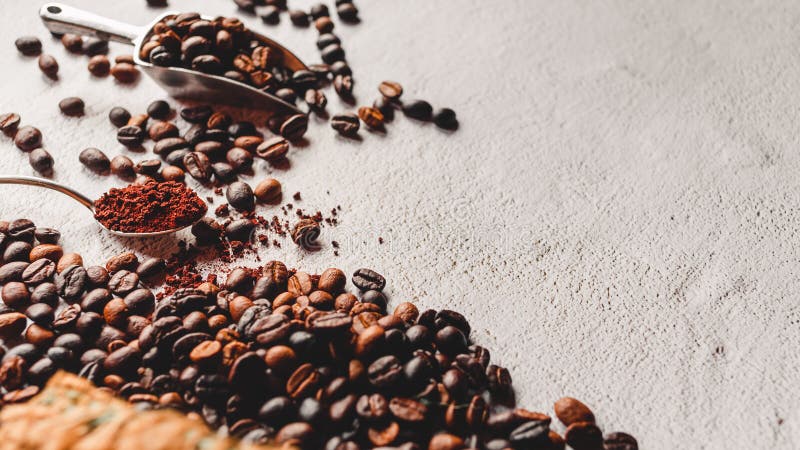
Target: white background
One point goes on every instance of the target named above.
(617, 214)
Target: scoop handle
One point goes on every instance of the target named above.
(61, 19)
(41, 182)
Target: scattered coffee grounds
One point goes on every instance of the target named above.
(267, 354)
(150, 207)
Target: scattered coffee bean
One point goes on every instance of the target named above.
(372, 117)
(268, 191)
(324, 25)
(28, 45)
(273, 149)
(122, 166)
(48, 65)
(299, 18)
(271, 15)
(95, 46)
(41, 161)
(9, 123)
(130, 136)
(305, 234)
(71, 106)
(418, 109)
(347, 12)
(240, 196)
(28, 138)
(446, 118)
(343, 84)
(72, 42)
(125, 73)
(99, 65)
(620, 441)
(385, 106)
(347, 124)
(294, 127)
(119, 116)
(159, 109)
(390, 89)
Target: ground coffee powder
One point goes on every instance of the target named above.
(150, 207)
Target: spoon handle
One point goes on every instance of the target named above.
(61, 19)
(41, 182)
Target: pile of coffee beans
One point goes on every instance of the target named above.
(266, 354)
(28, 139)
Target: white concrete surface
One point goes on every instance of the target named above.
(618, 214)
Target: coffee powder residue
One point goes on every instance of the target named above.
(148, 208)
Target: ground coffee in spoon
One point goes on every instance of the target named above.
(149, 208)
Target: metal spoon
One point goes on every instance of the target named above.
(83, 200)
(177, 81)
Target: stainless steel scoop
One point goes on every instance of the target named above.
(177, 81)
(83, 200)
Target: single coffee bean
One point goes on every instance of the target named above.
(130, 136)
(99, 65)
(375, 298)
(162, 130)
(151, 268)
(41, 161)
(390, 89)
(271, 15)
(445, 118)
(446, 441)
(367, 280)
(371, 116)
(72, 42)
(620, 441)
(385, 106)
(125, 73)
(223, 172)
(9, 123)
(122, 166)
(324, 25)
(268, 191)
(219, 121)
(28, 45)
(319, 10)
(287, 94)
(347, 124)
(347, 12)
(305, 234)
(197, 114)
(418, 109)
(327, 39)
(12, 325)
(48, 65)
(240, 230)
(168, 145)
(273, 149)
(39, 271)
(71, 106)
(41, 313)
(198, 166)
(28, 138)
(119, 116)
(294, 127)
(580, 436)
(240, 196)
(316, 100)
(408, 410)
(341, 68)
(207, 64)
(343, 84)
(239, 158)
(570, 410)
(47, 235)
(15, 295)
(159, 109)
(299, 18)
(17, 251)
(95, 46)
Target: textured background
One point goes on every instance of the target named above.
(617, 215)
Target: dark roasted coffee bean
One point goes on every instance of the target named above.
(271, 15)
(71, 106)
(95, 46)
(207, 64)
(168, 145)
(385, 106)
(347, 124)
(303, 381)
(41, 314)
(67, 318)
(197, 165)
(71, 282)
(94, 160)
(451, 341)
(367, 279)
(123, 282)
(48, 65)
(319, 10)
(28, 45)
(273, 149)
(298, 17)
(39, 271)
(151, 268)
(408, 410)
(197, 114)
(119, 116)
(125, 72)
(28, 138)
(239, 129)
(130, 136)
(343, 84)
(324, 25)
(418, 109)
(376, 298)
(446, 118)
(17, 251)
(277, 411)
(332, 54)
(12, 271)
(122, 166)
(162, 56)
(305, 234)
(99, 65)
(72, 42)
(219, 121)
(12, 324)
(240, 230)
(240, 196)
(45, 293)
(385, 372)
(287, 94)
(148, 167)
(620, 441)
(9, 123)
(347, 12)
(315, 99)
(294, 127)
(207, 230)
(341, 68)
(41, 161)
(223, 172)
(327, 39)
(239, 158)
(47, 235)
